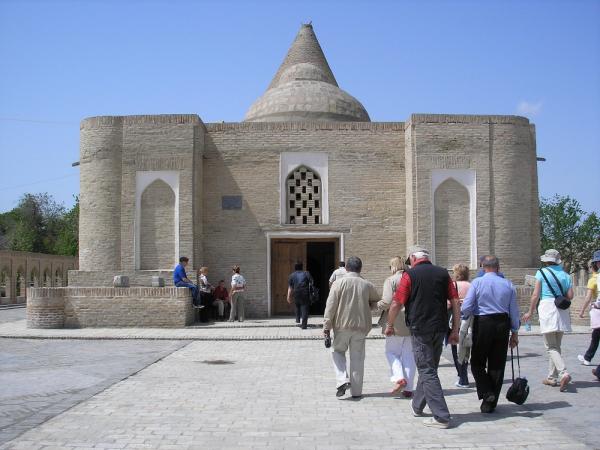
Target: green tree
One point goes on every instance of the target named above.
(39, 224)
(566, 227)
(67, 240)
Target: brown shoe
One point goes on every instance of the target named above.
(564, 382)
(549, 382)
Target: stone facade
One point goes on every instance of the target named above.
(22, 270)
(156, 187)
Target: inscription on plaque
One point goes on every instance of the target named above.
(231, 202)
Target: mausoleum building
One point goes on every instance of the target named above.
(306, 177)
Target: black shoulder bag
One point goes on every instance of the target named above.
(518, 390)
(561, 301)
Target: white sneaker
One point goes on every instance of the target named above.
(584, 361)
(461, 386)
(434, 423)
(414, 411)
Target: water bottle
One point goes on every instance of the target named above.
(527, 326)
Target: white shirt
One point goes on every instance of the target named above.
(337, 273)
(238, 282)
(204, 286)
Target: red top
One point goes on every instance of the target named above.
(403, 290)
(220, 293)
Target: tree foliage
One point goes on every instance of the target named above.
(40, 224)
(566, 227)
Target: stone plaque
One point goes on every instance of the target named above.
(231, 202)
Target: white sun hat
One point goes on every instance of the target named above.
(551, 256)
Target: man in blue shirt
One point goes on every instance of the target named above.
(481, 271)
(299, 293)
(492, 301)
(180, 279)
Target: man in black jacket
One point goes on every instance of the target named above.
(298, 293)
(425, 290)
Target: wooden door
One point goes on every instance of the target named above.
(284, 255)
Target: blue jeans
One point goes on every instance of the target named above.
(192, 287)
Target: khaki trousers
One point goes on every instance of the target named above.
(237, 306)
(344, 340)
(556, 365)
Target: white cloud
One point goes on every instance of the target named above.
(526, 108)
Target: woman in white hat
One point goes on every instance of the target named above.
(552, 281)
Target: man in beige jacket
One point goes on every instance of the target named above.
(348, 314)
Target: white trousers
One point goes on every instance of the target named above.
(399, 353)
(354, 341)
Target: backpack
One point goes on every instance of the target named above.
(518, 390)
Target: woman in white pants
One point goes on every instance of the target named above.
(552, 280)
(398, 347)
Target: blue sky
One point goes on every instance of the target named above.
(63, 61)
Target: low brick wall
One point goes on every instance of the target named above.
(75, 307)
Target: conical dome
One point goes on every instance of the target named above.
(304, 89)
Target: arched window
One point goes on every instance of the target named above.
(47, 278)
(4, 284)
(58, 278)
(20, 285)
(303, 197)
(33, 278)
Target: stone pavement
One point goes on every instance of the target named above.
(280, 394)
(40, 379)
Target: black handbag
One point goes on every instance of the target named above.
(313, 292)
(519, 389)
(561, 301)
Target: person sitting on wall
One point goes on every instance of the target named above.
(180, 279)
(221, 299)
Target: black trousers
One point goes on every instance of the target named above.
(591, 351)
(302, 314)
(488, 355)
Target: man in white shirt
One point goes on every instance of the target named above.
(338, 273)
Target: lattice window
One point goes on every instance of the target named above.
(303, 197)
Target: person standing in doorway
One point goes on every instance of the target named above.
(492, 302)
(298, 293)
(551, 280)
(398, 347)
(424, 291)
(238, 288)
(338, 273)
(348, 314)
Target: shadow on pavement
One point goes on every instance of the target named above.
(504, 411)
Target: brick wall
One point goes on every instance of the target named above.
(108, 307)
(366, 194)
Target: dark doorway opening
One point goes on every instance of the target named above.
(320, 262)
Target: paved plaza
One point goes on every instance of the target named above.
(278, 393)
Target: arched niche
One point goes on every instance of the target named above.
(156, 180)
(452, 227)
(157, 226)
